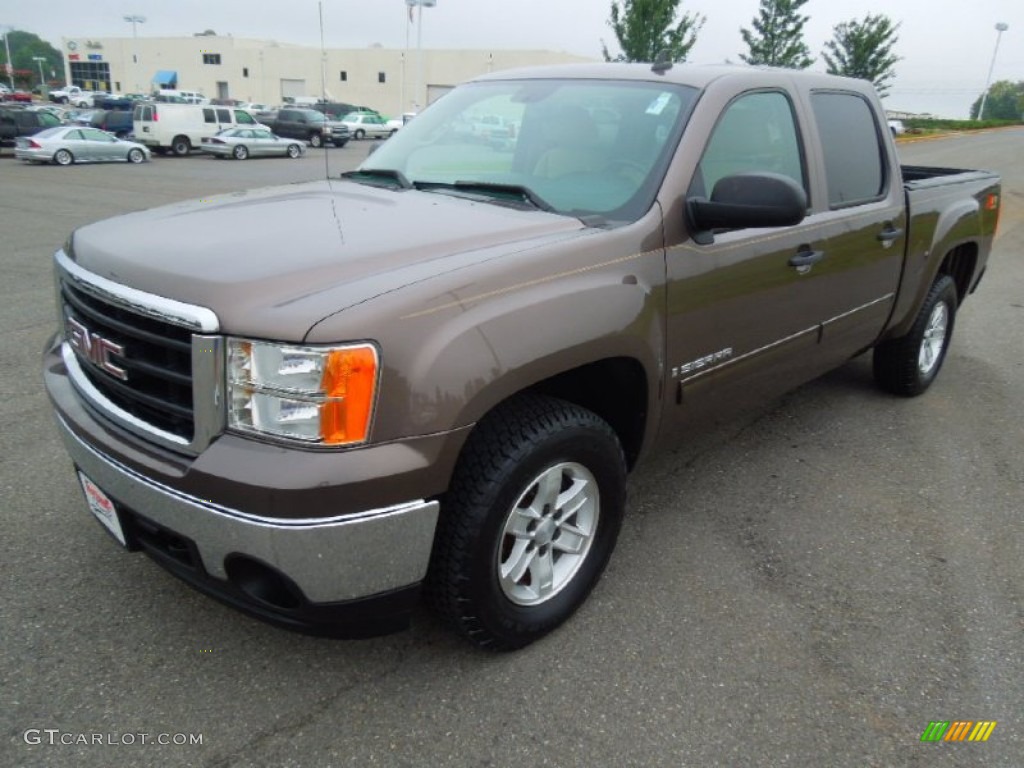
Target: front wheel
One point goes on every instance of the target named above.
(294, 150)
(909, 364)
(136, 156)
(316, 140)
(529, 523)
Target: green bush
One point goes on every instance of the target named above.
(925, 124)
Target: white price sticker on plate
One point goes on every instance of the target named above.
(102, 507)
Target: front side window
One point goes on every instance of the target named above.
(850, 139)
(756, 133)
(243, 117)
(586, 148)
(209, 116)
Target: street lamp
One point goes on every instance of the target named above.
(135, 20)
(7, 49)
(419, 46)
(39, 60)
(1000, 28)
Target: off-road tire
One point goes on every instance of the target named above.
(509, 450)
(908, 365)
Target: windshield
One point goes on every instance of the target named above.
(581, 147)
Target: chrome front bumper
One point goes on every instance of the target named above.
(330, 560)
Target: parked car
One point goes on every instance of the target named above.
(242, 143)
(338, 109)
(309, 125)
(78, 144)
(18, 96)
(115, 121)
(17, 121)
(396, 123)
(366, 126)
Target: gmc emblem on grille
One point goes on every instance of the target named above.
(95, 348)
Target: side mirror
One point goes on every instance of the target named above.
(747, 200)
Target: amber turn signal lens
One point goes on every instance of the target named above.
(349, 383)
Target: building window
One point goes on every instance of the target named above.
(382, 77)
(211, 58)
(245, 71)
(344, 76)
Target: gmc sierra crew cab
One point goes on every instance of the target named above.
(432, 375)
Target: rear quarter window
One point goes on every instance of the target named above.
(851, 142)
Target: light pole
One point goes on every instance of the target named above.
(134, 19)
(7, 49)
(419, 4)
(1000, 28)
(39, 60)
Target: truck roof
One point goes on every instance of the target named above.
(694, 75)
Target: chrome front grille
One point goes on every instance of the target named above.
(151, 364)
(156, 360)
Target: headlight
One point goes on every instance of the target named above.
(315, 394)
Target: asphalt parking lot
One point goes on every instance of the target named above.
(808, 585)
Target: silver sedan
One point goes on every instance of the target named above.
(241, 143)
(77, 144)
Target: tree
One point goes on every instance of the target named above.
(864, 49)
(778, 36)
(1005, 102)
(24, 46)
(646, 28)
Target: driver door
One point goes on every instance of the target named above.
(743, 324)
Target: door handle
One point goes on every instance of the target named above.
(889, 234)
(806, 258)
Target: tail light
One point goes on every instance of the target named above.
(33, 144)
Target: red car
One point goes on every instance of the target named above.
(17, 96)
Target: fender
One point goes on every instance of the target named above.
(957, 224)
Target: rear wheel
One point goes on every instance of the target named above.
(241, 152)
(136, 156)
(529, 523)
(63, 157)
(360, 133)
(294, 150)
(908, 365)
(181, 146)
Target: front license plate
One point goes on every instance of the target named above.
(101, 506)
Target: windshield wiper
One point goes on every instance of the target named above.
(375, 176)
(491, 189)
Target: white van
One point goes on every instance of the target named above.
(180, 127)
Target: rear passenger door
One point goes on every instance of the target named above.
(863, 220)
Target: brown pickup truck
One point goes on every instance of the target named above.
(433, 374)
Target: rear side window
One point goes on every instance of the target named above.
(850, 139)
(209, 115)
(224, 115)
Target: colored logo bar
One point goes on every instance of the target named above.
(958, 730)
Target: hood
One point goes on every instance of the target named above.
(273, 262)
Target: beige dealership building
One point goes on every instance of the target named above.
(265, 71)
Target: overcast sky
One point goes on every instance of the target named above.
(946, 45)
